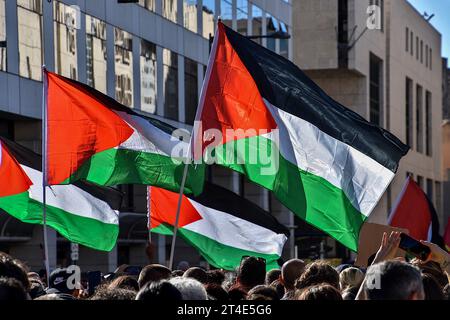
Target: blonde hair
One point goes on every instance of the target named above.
(350, 277)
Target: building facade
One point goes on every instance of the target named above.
(380, 58)
(150, 56)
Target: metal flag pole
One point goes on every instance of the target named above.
(44, 170)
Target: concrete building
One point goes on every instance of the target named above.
(380, 58)
(151, 56)
(446, 138)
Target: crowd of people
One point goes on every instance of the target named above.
(387, 278)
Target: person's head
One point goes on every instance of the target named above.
(12, 289)
(446, 292)
(350, 278)
(290, 272)
(196, 273)
(125, 282)
(216, 292)
(317, 273)
(320, 292)
(159, 292)
(432, 289)
(272, 275)
(278, 286)
(230, 280)
(190, 289)
(60, 281)
(183, 266)
(153, 273)
(252, 272)
(262, 292)
(237, 294)
(393, 280)
(36, 289)
(13, 268)
(116, 294)
(216, 277)
(432, 268)
(350, 293)
(56, 296)
(177, 273)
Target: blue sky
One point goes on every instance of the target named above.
(441, 20)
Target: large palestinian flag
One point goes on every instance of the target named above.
(92, 137)
(321, 160)
(82, 213)
(222, 226)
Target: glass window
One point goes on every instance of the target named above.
(272, 27)
(190, 15)
(419, 118)
(29, 14)
(421, 51)
(148, 77)
(426, 56)
(428, 124)
(208, 13)
(226, 12)
(2, 36)
(417, 48)
(96, 59)
(123, 44)
(65, 40)
(257, 17)
(430, 189)
(284, 43)
(190, 89)
(411, 43)
(431, 59)
(170, 10)
(438, 202)
(420, 181)
(242, 16)
(148, 4)
(375, 89)
(409, 111)
(170, 74)
(407, 39)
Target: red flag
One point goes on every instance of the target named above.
(412, 211)
(447, 236)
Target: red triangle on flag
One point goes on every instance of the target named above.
(14, 179)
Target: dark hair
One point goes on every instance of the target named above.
(446, 292)
(433, 268)
(432, 289)
(216, 292)
(272, 275)
(177, 273)
(196, 273)
(263, 292)
(106, 293)
(316, 273)
(350, 293)
(291, 272)
(320, 292)
(159, 292)
(153, 273)
(125, 282)
(252, 272)
(237, 294)
(278, 286)
(13, 268)
(216, 277)
(12, 289)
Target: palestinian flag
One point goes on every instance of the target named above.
(92, 137)
(323, 161)
(222, 226)
(82, 213)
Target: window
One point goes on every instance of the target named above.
(169, 8)
(375, 89)
(242, 16)
(431, 59)
(284, 43)
(257, 16)
(428, 124)
(170, 74)
(208, 14)
(2, 36)
(190, 15)
(419, 118)
(29, 15)
(96, 59)
(148, 77)
(430, 189)
(148, 4)
(411, 43)
(420, 181)
(190, 89)
(417, 48)
(421, 51)
(409, 111)
(438, 191)
(65, 40)
(272, 27)
(226, 12)
(426, 56)
(407, 39)
(123, 44)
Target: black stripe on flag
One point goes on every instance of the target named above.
(28, 158)
(285, 86)
(223, 200)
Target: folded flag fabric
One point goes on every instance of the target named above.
(447, 236)
(92, 137)
(323, 161)
(222, 226)
(83, 213)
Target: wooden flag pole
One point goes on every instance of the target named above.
(44, 171)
